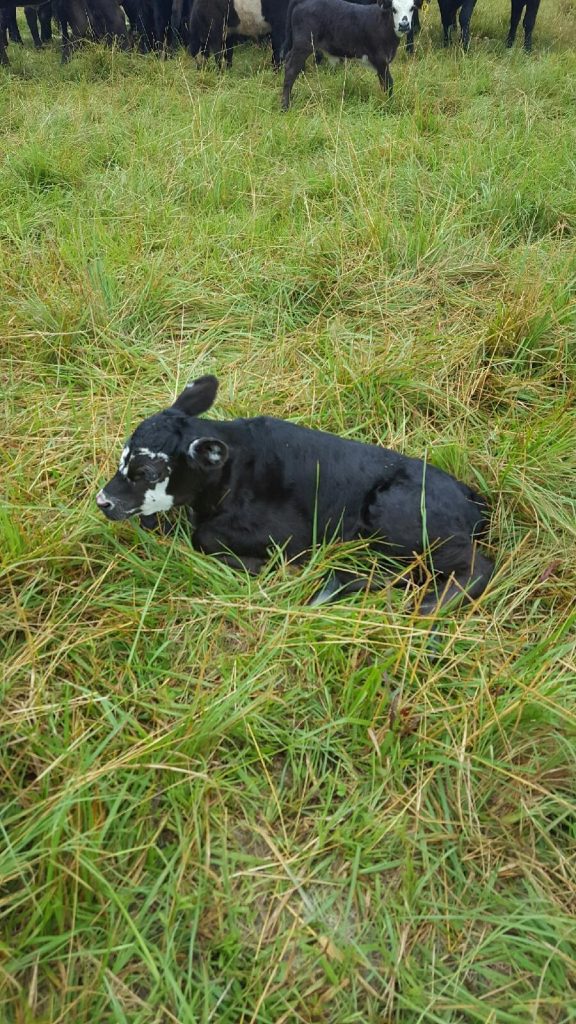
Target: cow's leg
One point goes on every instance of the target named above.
(12, 26)
(413, 31)
(277, 42)
(295, 62)
(65, 38)
(160, 26)
(448, 18)
(220, 538)
(515, 15)
(44, 13)
(529, 22)
(3, 55)
(73, 18)
(463, 574)
(30, 14)
(382, 69)
(176, 20)
(115, 25)
(341, 584)
(465, 16)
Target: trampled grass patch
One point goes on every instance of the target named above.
(219, 804)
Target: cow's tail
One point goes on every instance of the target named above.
(287, 44)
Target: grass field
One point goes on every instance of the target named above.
(219, 805)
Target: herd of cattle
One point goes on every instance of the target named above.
(339, 29)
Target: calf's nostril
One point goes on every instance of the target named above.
(102, 501)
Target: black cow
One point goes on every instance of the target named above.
(215, 24)
(251, 485)
(529, 21)
(448, 12)
(340, 29)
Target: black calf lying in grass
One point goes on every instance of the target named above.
(254, 484)
(339, 29)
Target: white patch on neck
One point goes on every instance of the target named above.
(156, 499)
(252, 23)
(152, 455)
(124, 460)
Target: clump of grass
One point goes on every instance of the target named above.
(219, 804)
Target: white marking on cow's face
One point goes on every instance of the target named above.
(152, 455)
(124, 460)
(252, 21)
(156, 499)
(402, 13)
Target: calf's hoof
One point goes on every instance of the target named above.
(328, 592)
(509, 42)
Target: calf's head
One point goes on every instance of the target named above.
(168, 460)
(402, 12)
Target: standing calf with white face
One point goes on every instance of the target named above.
(251, 485)
(339, 29)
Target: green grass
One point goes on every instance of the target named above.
(218, 804)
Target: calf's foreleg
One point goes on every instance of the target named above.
(382, 69)
(463, 572)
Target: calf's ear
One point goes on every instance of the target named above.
(208, 452)
(197, 396)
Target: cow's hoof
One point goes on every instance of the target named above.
(149, 522)
(327, 593)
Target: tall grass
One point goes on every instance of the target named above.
(218, 804)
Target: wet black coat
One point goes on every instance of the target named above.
(255, 484)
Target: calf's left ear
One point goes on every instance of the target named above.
(197, 396)
(208, 452)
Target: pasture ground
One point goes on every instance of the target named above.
(219, 805)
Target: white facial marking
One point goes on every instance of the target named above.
(332, 59)
(252, 23)
(123, 466)
(402, 13)
(152, 455)
(156, 499)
